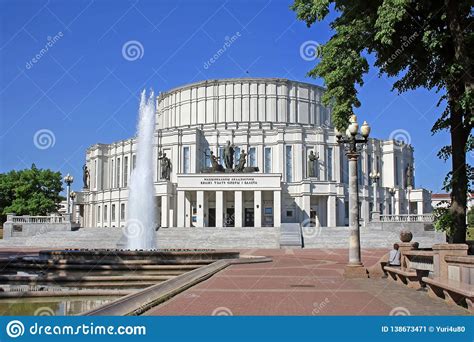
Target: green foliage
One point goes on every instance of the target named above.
(444, 221)
(470, 218)
(30, 192)
(426, 43)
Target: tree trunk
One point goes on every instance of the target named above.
(460, 119)
(459, 136)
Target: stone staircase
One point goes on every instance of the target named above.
(290, 235)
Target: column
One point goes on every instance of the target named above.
(238, 201)
(419, 208)
(277, 208)
(200, 208)
(306, 210)
(219, 208)
(188, 211)
(181, 208)
(331, 211)
(165, 205)
(354, 225)
(257, 208)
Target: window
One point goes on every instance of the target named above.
(345, 169)
(117, 176)
(95, 174)
(329, 162)
(122, 211)
(134, 161)
(268, 160)
(289, 213)
(186, 160)
(289, 163)
(220, 156)
(98, 213)
(359, 171)
(125, 171)
(236, 155)
(111, 185)
(346, 209)
(252, 157)
(397, 176)
(207, 157)
(113, 212)
(105, 213)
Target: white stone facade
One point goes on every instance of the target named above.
(277, 122)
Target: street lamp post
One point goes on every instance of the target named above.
(68, 179)
(375, 176)
(352, 144)
(72, 195)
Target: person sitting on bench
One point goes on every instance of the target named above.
(394, 256)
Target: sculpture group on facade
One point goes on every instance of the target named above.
(85, 176)
(165, 165)
(312, 163)
(409, 174)
(228, 160)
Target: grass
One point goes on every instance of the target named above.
(470, 233)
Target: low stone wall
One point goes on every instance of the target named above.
(12, 229)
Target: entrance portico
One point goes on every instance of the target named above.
(228, 200)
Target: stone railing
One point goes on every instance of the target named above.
(39, 219)
(23, 226)
(406, 218)
(419, 260)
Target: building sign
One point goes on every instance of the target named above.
(225, 181)
(229, 182)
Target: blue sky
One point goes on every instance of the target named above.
(82, 90)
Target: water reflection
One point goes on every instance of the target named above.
(49, 306)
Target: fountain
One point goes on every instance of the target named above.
(140, 229)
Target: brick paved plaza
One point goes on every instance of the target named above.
(301, 282)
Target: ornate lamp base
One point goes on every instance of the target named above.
(355, 271)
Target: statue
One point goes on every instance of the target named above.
(229, 156)
(240, 167)
(165, 166)
(312, 159)
(216, 166)
(409, 176)
(85, 176)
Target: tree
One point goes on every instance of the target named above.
(426, 43)
(30, 192)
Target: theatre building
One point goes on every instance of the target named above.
(294, 171)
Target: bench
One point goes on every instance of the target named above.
(453, 292)
(408, 277)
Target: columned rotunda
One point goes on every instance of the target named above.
(287, 164)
